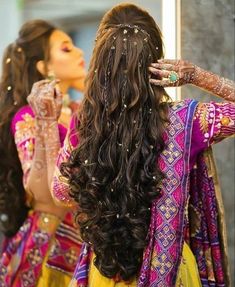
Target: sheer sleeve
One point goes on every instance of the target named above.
(60, 186)
(212, 123)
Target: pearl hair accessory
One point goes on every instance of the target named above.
(3, 217)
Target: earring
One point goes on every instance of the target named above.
(51, 75)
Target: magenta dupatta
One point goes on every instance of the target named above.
(168, 227)
(168, 221)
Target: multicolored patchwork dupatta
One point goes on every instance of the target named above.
(207, 227)
(163, 254)
(80, 278)
(169, 218)
(169, 214)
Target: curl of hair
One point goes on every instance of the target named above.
(113, 173)
(19, 73)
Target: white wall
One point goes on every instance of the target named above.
(10, 21)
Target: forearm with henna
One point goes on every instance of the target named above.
(37, 178)
(214, 84)
(174, 73)
(52, 147)
(46, 102)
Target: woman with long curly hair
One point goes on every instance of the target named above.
(41, 239)
(137, 167)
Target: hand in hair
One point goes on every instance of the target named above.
(46, 100)
(172, 73)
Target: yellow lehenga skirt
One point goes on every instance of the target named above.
(52, 277)
(188, 275)
(49, 276)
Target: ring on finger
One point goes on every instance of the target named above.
(173, 77)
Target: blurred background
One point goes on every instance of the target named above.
(201, 31)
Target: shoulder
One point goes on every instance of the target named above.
(23, 119)
(182, 112)
(183, 104)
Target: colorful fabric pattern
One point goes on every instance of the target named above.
(205, 235)
(163, 253)
(42, 235)
(80, 278)
(60, 190)
(66, 247)
(193, 128)
(60, 183)
(22, 258)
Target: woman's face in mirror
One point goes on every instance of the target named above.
(66, 60)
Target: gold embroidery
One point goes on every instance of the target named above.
(25, 128)
(209, 265)
(162, 263)
(24, 139)
(34, 256)
(202, 114)
(48, 222)
(225, 121)
(29, 145)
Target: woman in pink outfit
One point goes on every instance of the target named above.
(138, 167)
(41, 242)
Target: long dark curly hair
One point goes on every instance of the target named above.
(114, 174)
(19, 72)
